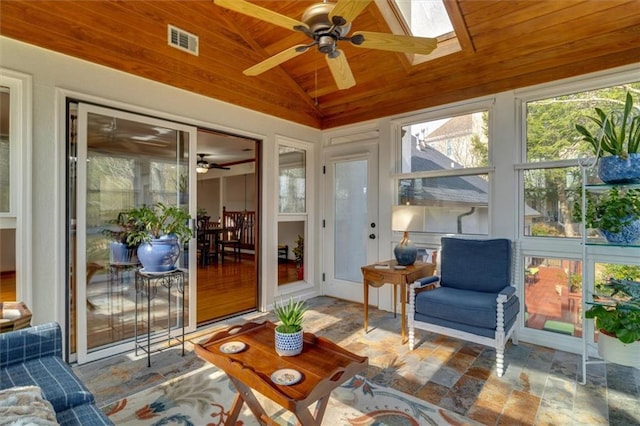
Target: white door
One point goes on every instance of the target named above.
(124, 161)
(351, 219)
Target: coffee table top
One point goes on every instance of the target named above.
(323, 365)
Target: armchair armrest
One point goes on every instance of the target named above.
(30, 343)
(506, 293)
(423, 282)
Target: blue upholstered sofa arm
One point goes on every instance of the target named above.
(30, 343)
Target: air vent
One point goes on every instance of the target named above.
(180, 39)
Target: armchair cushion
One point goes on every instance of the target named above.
(478, 265)
(464, 310)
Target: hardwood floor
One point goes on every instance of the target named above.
(7, 286)
(226, 289)
(287, 273)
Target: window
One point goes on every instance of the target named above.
(553, 295)
(426, 19)
(292, 248)
(292, 180)
(444, 173)
(5, 148)
(551, 175)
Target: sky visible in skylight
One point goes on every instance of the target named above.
(427, 18)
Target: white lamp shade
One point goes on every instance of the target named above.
(407, 218)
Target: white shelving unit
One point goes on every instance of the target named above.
(588, 165)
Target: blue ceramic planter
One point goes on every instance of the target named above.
(121, 253)
(289, 344)
(613, 169)
(630, 234)
(159, 255)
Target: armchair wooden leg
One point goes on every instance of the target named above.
(500, 361)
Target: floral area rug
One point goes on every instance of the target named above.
(204, 397)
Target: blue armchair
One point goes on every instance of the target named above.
(472, 299)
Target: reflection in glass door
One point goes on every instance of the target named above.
(124, 161)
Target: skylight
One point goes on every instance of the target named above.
(425, 18)
(439, 19)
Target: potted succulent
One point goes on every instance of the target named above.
(617, 318)
(119, 250)
(616, 142)
(289, 334)
(160, 232)
(298, 252)
(614, 213)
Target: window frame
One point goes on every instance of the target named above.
(464, 108)
(19, 215)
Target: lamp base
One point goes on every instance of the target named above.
(405, 252)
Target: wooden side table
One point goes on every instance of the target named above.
(322, 365)
(376, 276)
(14, 316)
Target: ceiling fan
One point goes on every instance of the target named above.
(203, 166)
(327, 24)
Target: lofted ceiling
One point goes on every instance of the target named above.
(505, 44)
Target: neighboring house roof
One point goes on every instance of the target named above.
(463, 190)
(468, 190)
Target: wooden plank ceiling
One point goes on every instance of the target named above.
(506, 44)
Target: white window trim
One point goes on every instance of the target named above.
(19, 217)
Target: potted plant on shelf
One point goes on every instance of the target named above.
(119, 250)
(615, 213)
(616, 142)
(160, 232)
(298, 252)
(617, 318)
(289, 334)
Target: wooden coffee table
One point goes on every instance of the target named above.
(323, 366)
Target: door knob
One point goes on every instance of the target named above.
(372, 236)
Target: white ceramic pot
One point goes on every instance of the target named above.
(613, 350)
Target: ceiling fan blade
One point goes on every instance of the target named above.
(218, 166)
(395, 43)
(258, 12)
(340, 70)
(275, 60)
(348, 10)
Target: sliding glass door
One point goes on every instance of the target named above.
(122, 161)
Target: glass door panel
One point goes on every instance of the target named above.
(352, 231)
(124, 161)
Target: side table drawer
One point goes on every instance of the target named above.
(377, 278)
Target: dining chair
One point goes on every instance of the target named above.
(203, 240)
(234, 240)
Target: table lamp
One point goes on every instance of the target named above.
(407, 218)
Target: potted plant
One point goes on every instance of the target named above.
(617, 317)
(160, 232)
(298, 252)
(616, 143)
(614, 213)
(119, 250)
(289, 334)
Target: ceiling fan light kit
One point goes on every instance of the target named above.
(327, 24)
(202, 166)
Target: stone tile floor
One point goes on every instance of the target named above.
(540, 385)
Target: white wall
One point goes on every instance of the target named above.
(56, 75)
